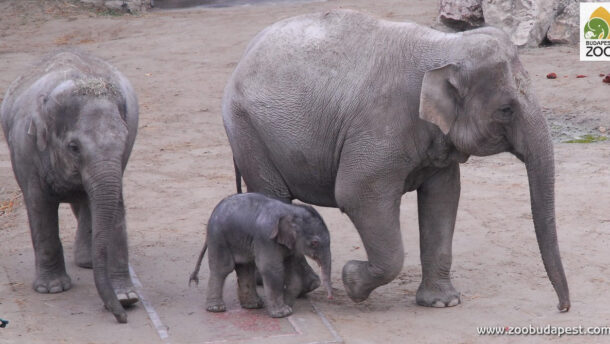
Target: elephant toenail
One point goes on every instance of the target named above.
(439, 304)
(453, 302)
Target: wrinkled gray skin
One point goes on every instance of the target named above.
(70, 124)
(340, 109)
(251, 231)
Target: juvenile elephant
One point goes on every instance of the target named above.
(251, 231)
(340, 109)
(70, 124)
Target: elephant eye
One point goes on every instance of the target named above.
(73, 147)
(504, 114)
(314, 243)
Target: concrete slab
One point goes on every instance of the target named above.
(185, 319)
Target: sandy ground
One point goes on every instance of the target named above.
(179, 62)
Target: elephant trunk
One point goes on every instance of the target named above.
(537, 153)
(325, 264)
(104, 186)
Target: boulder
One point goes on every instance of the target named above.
(526, 21)
(565, 28)
(461, 14)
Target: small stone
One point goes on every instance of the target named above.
(602, 74)
(551, 76)
(606, 79)
(602, 129)
(580, 76)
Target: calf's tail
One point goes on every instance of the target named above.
(194, 277)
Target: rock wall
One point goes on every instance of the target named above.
(125, 5)
(525, 21)
(528, 22)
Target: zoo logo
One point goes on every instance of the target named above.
(597, 26)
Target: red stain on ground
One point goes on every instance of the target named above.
(249, 321)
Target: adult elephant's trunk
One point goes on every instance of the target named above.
(537, 152)
(324, 260)
(103, 184)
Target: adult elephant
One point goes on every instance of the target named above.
(340, 109)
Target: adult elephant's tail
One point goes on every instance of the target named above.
(237, 177)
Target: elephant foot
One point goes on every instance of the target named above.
(125, 291)
(252, 304)
(355, 279)
(437, 295)
(83, 257)
(83, 261)
(249, 298)
(127, 298)
(280, 312)
(311, 282)
(52, 283)
(215, 306)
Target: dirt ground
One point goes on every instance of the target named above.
(179, 62)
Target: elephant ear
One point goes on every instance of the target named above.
(284, 232)
(439, 97)
(48, 105)
(37, 127)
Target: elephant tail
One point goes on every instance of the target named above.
(194, 277)
(237, 177)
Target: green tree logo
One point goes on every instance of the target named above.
(597, 27)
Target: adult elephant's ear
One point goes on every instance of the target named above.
(439, 97)
(37, 127)
(284, 232)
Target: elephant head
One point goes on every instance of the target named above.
(306, 234)
(482, 101)
(80, 127)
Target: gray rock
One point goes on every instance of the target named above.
(526, 21)
(461, 14)
(565, 28)
(128, 5)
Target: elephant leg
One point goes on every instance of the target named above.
(437, 203)
(221, 264)
(379, 230)
(305, 278)
(246, 284)
(273, 273)
(51, 276)
(376, 217)
(82, 245)
(118, 260)
(256, 168)
(293, 280)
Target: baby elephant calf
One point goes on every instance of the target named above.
(249, 231)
